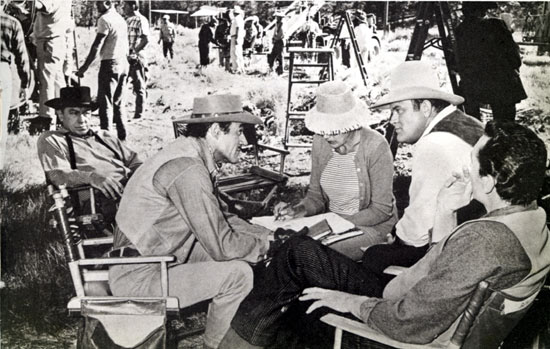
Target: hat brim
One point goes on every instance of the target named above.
(243, 118)
(56, 103)
(416, 92)
(330, 124)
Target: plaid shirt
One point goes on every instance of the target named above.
(138, 26)
(13, 45)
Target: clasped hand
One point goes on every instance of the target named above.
(456, 192)
(283, 211)
(108, 185)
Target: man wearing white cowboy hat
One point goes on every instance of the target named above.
(76, 155)
(170, 206)
(424, 115)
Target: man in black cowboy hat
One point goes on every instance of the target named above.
(170, 207)
(76, 155)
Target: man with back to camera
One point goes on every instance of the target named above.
(112, 36)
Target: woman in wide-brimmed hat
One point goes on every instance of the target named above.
(352, 169)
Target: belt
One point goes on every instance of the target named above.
(124, 252)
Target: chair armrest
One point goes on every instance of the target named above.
(125, 260)
(108, 240)
(394, 270)
(361, 329)
(275, 149)
(274, 176)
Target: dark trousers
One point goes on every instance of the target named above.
(502, 112)
(204, 53)
(276, 55)
(110, 87)
(167, 48)
(301, 263)
(378, 257)
(138, 74)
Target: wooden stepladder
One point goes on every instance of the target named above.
(446, 40)
(346, 19)
(326, 74)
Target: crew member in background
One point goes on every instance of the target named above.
(167, 36)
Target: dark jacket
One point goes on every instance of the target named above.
(488, 61)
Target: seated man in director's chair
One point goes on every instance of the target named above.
(436, 301)
(94, 166)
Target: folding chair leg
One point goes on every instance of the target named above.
(337, 338)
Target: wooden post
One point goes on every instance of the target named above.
(150, 12)
(385, 24)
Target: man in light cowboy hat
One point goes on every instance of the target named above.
(76, 155)
(424, 115)
(170, 206)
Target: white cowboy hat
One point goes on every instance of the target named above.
(237, 9)
(415, 80)
(337, 110)
(219, 108)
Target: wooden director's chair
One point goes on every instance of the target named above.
(110, 321)
(257, 177)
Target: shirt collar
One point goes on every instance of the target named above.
(207, 155)
(88, 134)
(440, 116)
(511, 209)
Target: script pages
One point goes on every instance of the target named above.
(327, 227)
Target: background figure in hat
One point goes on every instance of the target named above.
(75, 155)
(488, 63)
(13, 50)
(276, 54)
(167, 36)
(426, 116)
(221, 35)
(171, 206)
(112, 37)
(364, 33)
(138, 38)
(206, 36)
(50, 26)
(352, 170)
(237, 33)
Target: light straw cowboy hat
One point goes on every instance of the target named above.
(219, 108)
(337, 110)
(415, 80)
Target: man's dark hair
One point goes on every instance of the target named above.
(133, 3)
(438, 104)
(199, 130)
(516, 158)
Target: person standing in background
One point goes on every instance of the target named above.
(488, 63)
(278, 45)
(12, 49)
(112, 37)
(167, 36)
(221, 35)
(206, 36)
(138, 38)
(50, 27)
(237, 40)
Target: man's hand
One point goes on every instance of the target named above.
(456, 192)
(340, 301)
(109, 186)
(23, 94)
(81, 71)
(283, 211)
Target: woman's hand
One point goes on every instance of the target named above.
(283, 211)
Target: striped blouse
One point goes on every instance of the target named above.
(340, 183)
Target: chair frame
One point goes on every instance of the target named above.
(84, 270)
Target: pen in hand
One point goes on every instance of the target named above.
(280, 211)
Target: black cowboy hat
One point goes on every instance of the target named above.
(73, 97)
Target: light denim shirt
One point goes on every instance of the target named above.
(171, 204)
